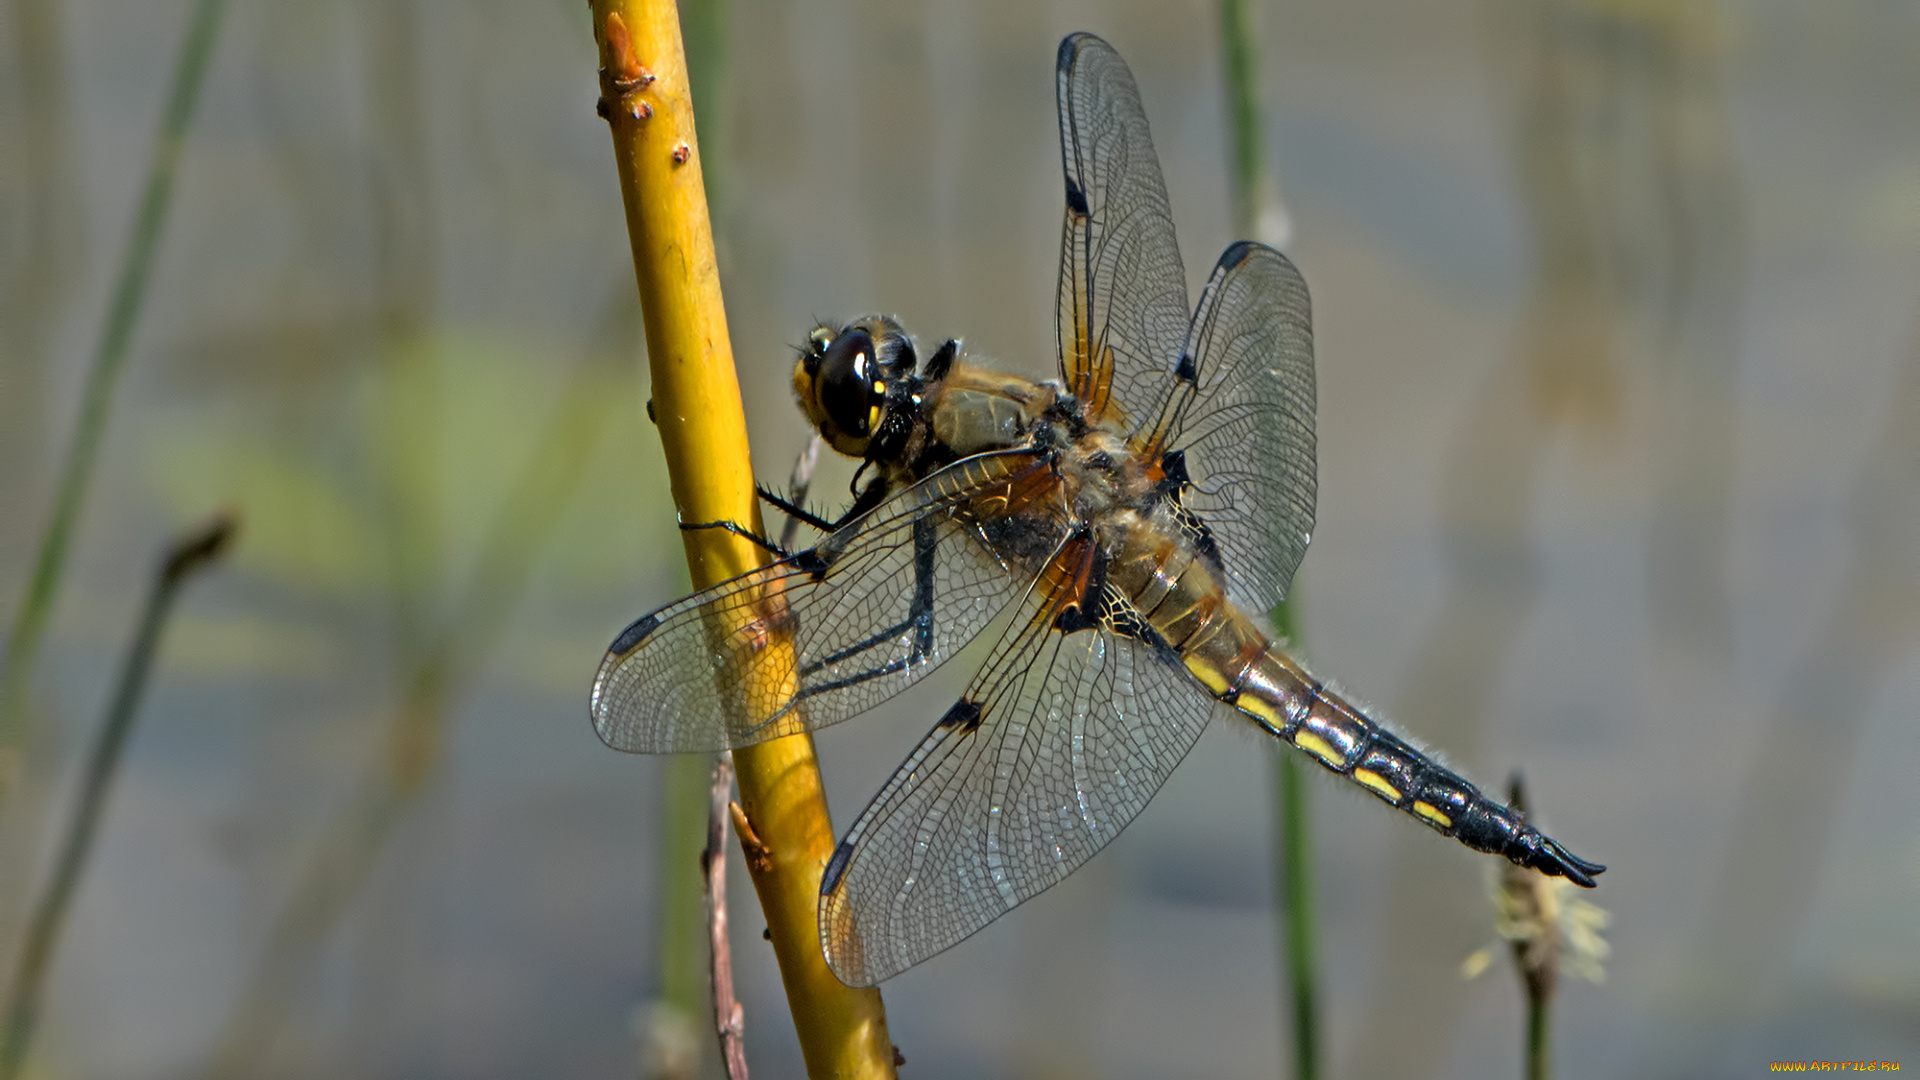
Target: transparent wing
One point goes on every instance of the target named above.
(872, 608)
(1057, 745)
(1123, 294)
(1241, 429)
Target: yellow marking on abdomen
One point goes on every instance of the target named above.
(1432, 813)
(1378, 783)
(1259, 709)
(1314, 744)
(1209, 675)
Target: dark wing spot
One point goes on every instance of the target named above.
(1076, 199)
(1173, 464)
(964, 715)
(1074, 618)
(836, 868)
(1187, 371)
(633, 635)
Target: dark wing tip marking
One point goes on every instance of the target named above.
(1077, 199)
(964, 715)
(1069, 46)
(1187, 371)
(633, 635)
(811, 561)
(836, 867)
(1240, 251)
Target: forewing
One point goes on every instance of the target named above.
(1123, 294)
(1243, 425)
(871, 609)
(1057, 745)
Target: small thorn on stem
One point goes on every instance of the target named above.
(681, 152)
(759, 855)
(621, 63)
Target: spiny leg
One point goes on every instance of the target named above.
(872, 495)
(739, 530)
(798, 483)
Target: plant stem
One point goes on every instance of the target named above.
(1536, 953)
(1295, 859)
(1252, 198)
(190, 553)
(109, 360)
(1243, 111)
(729, 1020)
(1539, 1038)
(696, 404)
(1297, 887)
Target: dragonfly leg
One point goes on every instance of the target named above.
(794, 511)
(739, 530)
(872, 495)
(919, 622)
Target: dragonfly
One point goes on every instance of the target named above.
(1117, 534)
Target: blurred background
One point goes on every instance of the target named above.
(1617, 308)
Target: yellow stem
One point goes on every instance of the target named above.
(696, 404)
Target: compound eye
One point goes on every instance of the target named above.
(847, 372)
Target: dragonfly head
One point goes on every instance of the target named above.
(850, 379)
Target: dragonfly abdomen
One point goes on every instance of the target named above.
(1232, 657)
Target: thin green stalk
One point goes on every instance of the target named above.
(1530, 922)
(1295, 888)
(1252, 198)
(1539, 1038)
(1243, 111)
(30, 622)
(192, 552)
